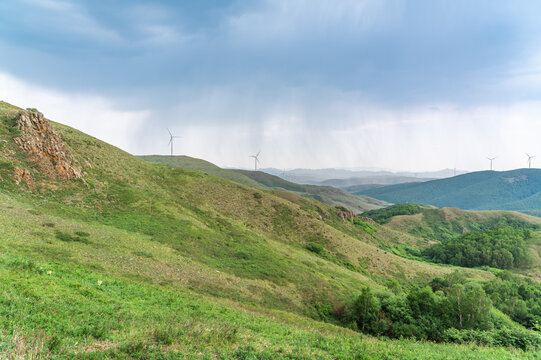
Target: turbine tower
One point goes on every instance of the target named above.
(171, 137)
(530, 157)
(256, 159)
(491, 160)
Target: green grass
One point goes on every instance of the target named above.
(60, 311)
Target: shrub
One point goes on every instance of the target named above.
(60, 235)
(315, 248)
(382, 216)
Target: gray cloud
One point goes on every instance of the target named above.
(314, 83)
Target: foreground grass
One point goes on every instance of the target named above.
(52, 310)
(97, 292)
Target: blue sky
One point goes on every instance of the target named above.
(405, 85)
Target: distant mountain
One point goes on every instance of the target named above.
(326, 194)
(372, 181)
(358, 188)
(356, 177)
(485, 190)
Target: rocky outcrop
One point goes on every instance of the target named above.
(20, 175)
(344, 213)
(45, 146)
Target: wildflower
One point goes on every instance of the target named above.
(49, 272)
(100, 282)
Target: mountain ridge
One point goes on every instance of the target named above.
(484, 190)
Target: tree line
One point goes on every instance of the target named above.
(503, 247)
(453, 309)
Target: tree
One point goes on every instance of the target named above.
(469, 307)
(366, 309)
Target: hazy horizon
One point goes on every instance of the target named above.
(409, 86)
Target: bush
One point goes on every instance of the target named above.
(60, 235)
(363, 225)
(315, 248)
(382, 216)
(516, 296)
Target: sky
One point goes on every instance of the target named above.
(404, 85)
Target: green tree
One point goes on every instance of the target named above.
(469, 307)
(366, 309)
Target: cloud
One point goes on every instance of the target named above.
(93, 115)
(276, 21)
(416, 138)
(66, 19)
(396, 84)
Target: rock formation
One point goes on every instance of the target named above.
(45, 146)
(20, 175)
(344, 213)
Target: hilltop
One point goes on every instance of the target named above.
(105, 255)
(485, 190)
(326, 194)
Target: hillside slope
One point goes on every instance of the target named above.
(427, 225)
(325, 194)
(257, 237)
(485, 190)
(105, 255)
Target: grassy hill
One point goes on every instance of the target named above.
(442, 224)
(186, 162)
(485, 190)
(138, 260)
(326, 194)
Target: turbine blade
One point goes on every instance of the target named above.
(169, 131)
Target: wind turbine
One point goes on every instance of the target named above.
(530, 157)
(491, 160)
(256, 159)
(171, 140)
